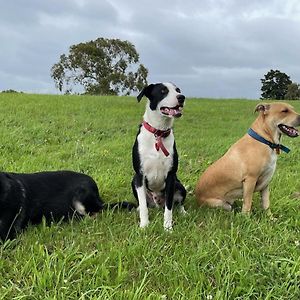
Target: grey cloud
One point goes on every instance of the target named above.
(209, 48)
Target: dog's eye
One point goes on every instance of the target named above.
(285, 110)
(164, 91)
(178, 90)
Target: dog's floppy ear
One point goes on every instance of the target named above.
(146, 91)
(262, 107)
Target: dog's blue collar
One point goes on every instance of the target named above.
(259, 138)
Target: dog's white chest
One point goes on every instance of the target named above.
(267, 173)
(155, 164)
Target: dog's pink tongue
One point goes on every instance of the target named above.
(172, 111)
(175, 112)
(292, 131)
(295, 132)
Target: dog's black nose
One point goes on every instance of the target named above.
(181, 98)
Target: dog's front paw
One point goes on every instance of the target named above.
(246, 212)
(168, 226)
(168, 229)
(144, 224)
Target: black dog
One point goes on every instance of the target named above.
(27, 198)
(154, 153)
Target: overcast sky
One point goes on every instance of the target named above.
(209, 48)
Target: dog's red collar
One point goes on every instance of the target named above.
(159, 135)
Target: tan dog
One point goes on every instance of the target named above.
(248, 166)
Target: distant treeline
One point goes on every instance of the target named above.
(10, 91)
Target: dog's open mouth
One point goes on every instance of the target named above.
(289, 131)
(175, 111)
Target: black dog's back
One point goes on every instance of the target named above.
(27, 198)
(63, 189)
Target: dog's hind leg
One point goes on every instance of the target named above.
(179, 196)
(215, 203)
(133, 187)
(139, 191)
(86, 201)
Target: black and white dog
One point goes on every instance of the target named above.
(154, 153)
(27, 198)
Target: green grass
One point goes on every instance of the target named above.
(211, 254)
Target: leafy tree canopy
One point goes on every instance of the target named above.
(293, 92)
(103, 67)
(275, 85)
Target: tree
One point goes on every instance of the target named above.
(293, 92)
(102, 66)
(10, 91)
(275, 85)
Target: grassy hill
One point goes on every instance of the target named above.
(211, 254)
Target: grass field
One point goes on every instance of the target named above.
(211, 254)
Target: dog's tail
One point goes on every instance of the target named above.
(119, 205)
